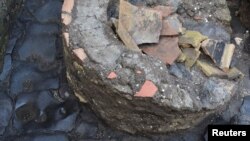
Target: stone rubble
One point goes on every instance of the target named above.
(174, 43)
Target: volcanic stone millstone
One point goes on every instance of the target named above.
(177, 104)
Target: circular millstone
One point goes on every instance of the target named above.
(129, 90)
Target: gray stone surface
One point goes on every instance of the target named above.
(215, 92)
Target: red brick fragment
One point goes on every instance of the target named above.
(112, 75)
(148, 89)
(80, 54)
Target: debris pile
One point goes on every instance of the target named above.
(158, 32)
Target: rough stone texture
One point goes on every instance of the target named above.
(245, 13)
(178, 104)
(211, 18)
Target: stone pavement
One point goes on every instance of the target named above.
(36, 103)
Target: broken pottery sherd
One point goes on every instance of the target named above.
(193, 38)
(167, 50)
(171, 26)
(220, 52)
(210, 70)
(191, 56)
(143, 24)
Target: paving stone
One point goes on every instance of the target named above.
(191, 56)
(87, 130)
(28, 79)
(171, 26)
(148, 89)
(50, 12)
(5, 112)
(193, 38)
(42, 29)
(220, 52)
(7, 64)
(26, 113)
(44, 137)
(167, 50)
(41, 49)
(66, 124)
(245, 108)
(142, 24)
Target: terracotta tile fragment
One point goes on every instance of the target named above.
(193, 38)
(210, 70)
(80, 54)
(144, 25)
(68, 6)
(126, 38)
(191, 56)
(171, 26)
(66, 18)
(148, 89)
(112, 75)
(66, 38)
(167, 50)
